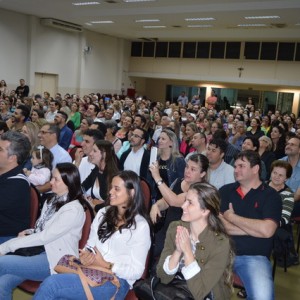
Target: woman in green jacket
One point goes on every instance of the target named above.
(197, 248)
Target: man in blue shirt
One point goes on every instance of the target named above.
(183, 99)
(66, 133)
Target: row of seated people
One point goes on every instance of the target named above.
(159, 182)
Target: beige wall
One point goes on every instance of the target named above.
(285, 74)
(154, 74)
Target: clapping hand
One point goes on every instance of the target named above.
(182, 240)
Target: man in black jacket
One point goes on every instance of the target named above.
(14, 185)
(137, 158)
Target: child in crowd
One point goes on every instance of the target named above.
(41, 166)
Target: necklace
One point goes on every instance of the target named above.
(193, 240)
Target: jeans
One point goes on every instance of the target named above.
(256, 274)
(15, 269)
(68, 286)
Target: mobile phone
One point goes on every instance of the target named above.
(91, 249)
(153, 155)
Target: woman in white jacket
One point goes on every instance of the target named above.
(58, 229)
(121, 237)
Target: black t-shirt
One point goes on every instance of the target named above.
(22, 91)
(174, 213)
(163, 172)
(262, 203)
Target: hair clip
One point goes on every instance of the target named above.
(40, 147)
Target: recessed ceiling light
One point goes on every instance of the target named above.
(102, 22)
(251, 25)
(160, 26)
(85, 3)
(200, 19)
(129, 1)
(261, 17)
(199, 26)
(144, 21)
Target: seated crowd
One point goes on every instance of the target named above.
(84, 151)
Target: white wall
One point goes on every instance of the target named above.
(103, 68)
(13, 47)
(27, 47)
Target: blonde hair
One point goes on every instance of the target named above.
(268, 140)
(33, 130)
(175, 145)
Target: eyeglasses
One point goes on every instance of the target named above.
(136, 136)
(44, 132)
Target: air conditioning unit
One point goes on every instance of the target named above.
(61, 25)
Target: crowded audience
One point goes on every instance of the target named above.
(197, 142)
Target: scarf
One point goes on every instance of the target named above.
(49, 211)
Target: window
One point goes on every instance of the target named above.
(251, 50)
(174, 49)
(217, 49)
(189, 50)
(268, 51)
(203, 49)
(148, 50)
(136, 49)
(233, 50)
(286, 51)
(161, 49)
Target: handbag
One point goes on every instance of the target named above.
(153, 289)
(90, 276)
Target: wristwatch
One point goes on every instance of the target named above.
(159, 182)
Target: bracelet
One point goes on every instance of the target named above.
(159, 182)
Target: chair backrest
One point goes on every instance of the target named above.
(89, 216)
(34, 205)
(146, 191)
